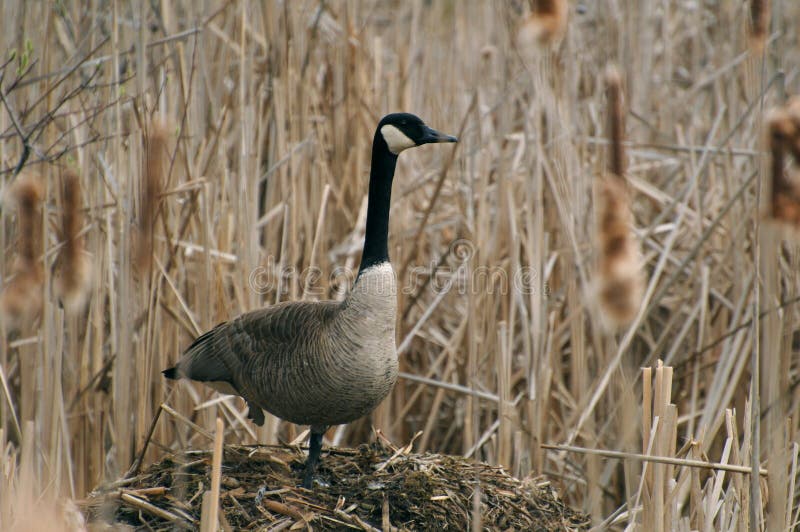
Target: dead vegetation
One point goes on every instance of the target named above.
(372, 487)
(257, 195)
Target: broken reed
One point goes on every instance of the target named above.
(659, 434)
(716, 492)
(620, 277)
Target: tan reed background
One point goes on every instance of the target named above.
(221, 150)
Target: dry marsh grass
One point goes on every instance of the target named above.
(222, 151)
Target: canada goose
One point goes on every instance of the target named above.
(320, 363)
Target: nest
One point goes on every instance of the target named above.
(372, 488)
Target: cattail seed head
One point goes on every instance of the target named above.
(27, 193)
(545, 25)
(784, 138)
(784, 127)
(21, 300)
(793, 120)
(72, 269)
(621, 283)
(156, 160)
(759, 23)
(620, 277)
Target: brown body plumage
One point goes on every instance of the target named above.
(312, 363)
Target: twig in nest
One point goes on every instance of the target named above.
(146, 507)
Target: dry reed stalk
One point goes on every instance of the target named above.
(21, 299)
(620, 282)
(639, 457)
(72, 270)
(504, 414)
(211, 501)
(784, 138)
(546, 23)
(759, 23)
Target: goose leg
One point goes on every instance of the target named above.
(314, 451)
(255, 413)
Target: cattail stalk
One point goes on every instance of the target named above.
(620, 277)
(616, 123)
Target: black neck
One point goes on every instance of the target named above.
(376, 247)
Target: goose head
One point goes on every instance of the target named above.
(401, 131)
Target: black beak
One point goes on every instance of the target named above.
(431, 136)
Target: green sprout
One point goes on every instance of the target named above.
(24, 58)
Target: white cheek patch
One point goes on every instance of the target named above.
(396, 139)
